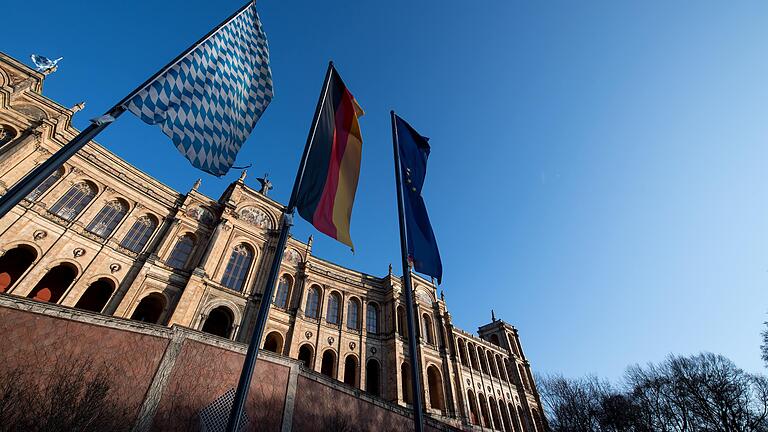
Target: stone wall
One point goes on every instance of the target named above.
(161, 377)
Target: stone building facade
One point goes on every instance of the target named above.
(103, 236)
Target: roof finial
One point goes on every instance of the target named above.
(493, 316)
(242, 175)
(197, 184)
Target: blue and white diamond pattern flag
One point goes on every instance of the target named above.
(210, 100)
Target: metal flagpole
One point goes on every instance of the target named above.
(418, 415)
(32, 180)
(246, 374)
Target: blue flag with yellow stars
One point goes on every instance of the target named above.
(422, 246)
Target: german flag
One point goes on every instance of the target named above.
(327, 189)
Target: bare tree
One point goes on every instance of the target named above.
(705, 392)
(73, 394)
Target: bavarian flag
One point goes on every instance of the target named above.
(327, 189)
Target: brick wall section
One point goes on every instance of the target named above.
(204, 372)
(161, 377)
(45, 344)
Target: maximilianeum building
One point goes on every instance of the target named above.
(101, 235)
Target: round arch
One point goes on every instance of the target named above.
(151, 308)
(405, 382)
(55, 282)
(435, 384)
(472, 405)
(351, 370)
(15, 263)
(307, 355)
(274, 342)
(96, 295)
(219, 322)
(328, 366)
(373, 377)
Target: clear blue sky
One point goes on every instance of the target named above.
(598, 168)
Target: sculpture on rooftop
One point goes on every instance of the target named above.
(44, 64)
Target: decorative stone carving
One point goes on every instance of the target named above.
(200, 214)
(78, 252)
(39, 235)
(423, 296)
(293, 256)
(480, 386)
(255, 216)
(331, 340)
(308, 334)
(352, 345)
(7, 134)
(31, 111)
(469, 382)
(373, 350)
(77, 107)
(489, 390)
(115, 267)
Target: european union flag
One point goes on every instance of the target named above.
(422, 246)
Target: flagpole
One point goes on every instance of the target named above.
(28, 183)
(244, 383)
(418, 415)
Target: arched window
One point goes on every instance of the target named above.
(372, 377)
(274, 342)
(283, 290)
(306, 355)
(492, 365)
(52, 286)
(505, 416)
(372, 318)
(332, 313)
(462, 348)
(484, 410)
(401, 330)
(495, 339)
(328, 368)
(405, 380)
(523, 377)
(350, 370)
(108, 218)
(472, 402)
(482, 360)
(74, 201)
(312, 308)
(15, 263)
(139, 234)
(219, 322)
(500, 367)
(96, 296)
(181, 251)
(494, 413)
(513, 416)
(150, 309)
(237, 269)
(353, 314)
(427, 329)
(473, 356)
(435, 385)
(45, 185)
(524, 419)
